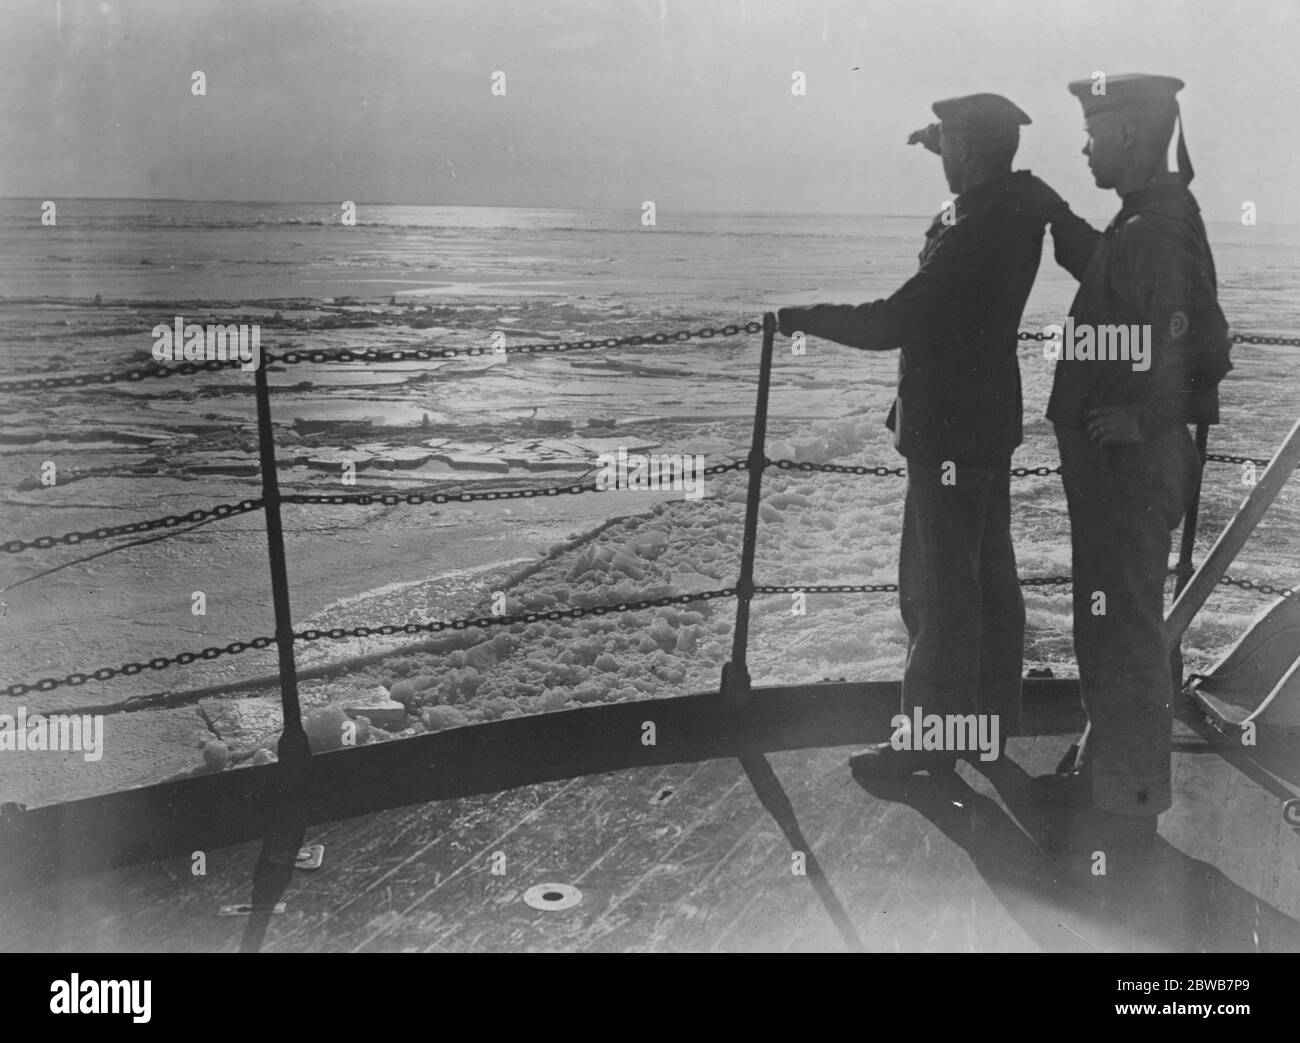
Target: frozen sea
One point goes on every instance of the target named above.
(455, 276)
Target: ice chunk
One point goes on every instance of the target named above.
(436, 718)
(325, 727)
(388, 714)
(649, 544)
(216, 754)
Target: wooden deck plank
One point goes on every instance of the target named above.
(615, 836)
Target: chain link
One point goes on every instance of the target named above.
(804, 465)
(483, 622)
(1237, 338)
(1262, 588)
(1264, 338)
(46, 684)
(108, 532)
(882, 472)
(105, 673)
(96, 379)
(290, 358)
(889, 588)
(1224, 458)
(393, 499)
(825, 588)
(364, 499)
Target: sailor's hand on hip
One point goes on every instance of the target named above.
(1113, 425)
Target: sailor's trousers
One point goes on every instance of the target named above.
(960, 595)
(1124, 501)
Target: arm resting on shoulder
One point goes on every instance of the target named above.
(1075, 241)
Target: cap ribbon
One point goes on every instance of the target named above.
(1185, 170)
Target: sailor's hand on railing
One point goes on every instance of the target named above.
(1113, 425)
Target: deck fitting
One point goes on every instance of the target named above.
(244, 909)
(552, 897)
(663, 795)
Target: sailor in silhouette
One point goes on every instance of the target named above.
(957, 419)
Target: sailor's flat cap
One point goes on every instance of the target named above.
(1112, 93)
(979, 112)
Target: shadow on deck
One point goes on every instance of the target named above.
(728, 834)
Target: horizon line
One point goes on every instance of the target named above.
(485, 206)
(506, 206)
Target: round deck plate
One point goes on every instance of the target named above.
(553, 897)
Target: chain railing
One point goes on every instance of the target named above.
(381, 355)
(176, 369)
(47, 684)
(1265, 338)
(1224, 458)
(108, 532)
(378, 355)
(395, 499)
(635, 340)
(1237, 338)
(415, 498)
(392, 499)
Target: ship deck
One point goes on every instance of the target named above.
(699, 854)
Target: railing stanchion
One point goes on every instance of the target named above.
(735, 674)
(293, 748)
(1233, 538)
(1184, 569)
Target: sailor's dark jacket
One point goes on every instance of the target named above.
(1151, 267)
(956, 324)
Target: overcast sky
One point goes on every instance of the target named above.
(612, 102)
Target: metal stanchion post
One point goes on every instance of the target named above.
(1184, 569)
(735, 674)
